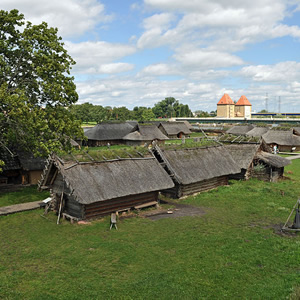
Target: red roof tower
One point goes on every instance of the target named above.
(226, 100)
(243, 101)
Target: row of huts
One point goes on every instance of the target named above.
(132, 133)
(284, 138)
(89, 186)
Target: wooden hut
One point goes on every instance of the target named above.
(145, 134)
(254, 162)
(285, 140)
(268, 166)
(112, 133)
(91, 188)
(243, 154)
(240, 129)
(195, 170)
(258, 131)
(20, 167)
(32, 167)
(174, 130)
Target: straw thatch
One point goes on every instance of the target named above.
(257, 131)
(197, 164)
(188, 125)
(109, 131)
(174, 129)
(296, 130)
(240, 129)
(273, 160)
(146, 133)
(11, 161)
(281, 137)
(94, 182)
(29, 162)
(243, 154)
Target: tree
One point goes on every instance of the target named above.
(36, 89)
(170, 107)
(142, 113)
(121, 113)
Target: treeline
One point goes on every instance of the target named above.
(167, 108)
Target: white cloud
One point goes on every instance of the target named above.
(279, 73)
(94, 57)
(203, 58)
(71, 17)
(115, 68)
(222, 24)
(160, 69)
(155, 26)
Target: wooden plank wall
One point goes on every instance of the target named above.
(201, 186)
(102, 208)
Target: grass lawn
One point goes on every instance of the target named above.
(26, 194)
(234, 251)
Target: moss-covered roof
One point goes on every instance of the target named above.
(190, 144)
(229, 138)
(86, 155)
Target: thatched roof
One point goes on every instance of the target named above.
(240, 129)
(257, 131)
(188, 125)
(243, 154)
(109, 131)
(146, 133)
(239, 139)
(92, 182)
(30, 163)
(173, 128)
(273, 160)
(296, 130)
(197, 164)
(281, 137)
(11, 161)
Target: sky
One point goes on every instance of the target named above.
(136, 53)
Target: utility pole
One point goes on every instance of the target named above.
(279, 104)
(267, 109)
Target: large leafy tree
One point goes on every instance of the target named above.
(170, 107)
(36, 88)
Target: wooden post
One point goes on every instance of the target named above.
(60, 205)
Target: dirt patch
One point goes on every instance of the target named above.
(277, 228)
(179, 210)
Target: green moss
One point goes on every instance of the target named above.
(190, 144)
(87, 155)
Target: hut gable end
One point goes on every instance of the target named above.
(197, 164)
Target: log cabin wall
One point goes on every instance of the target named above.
(197, 187)
(73, 207)
(106, 207)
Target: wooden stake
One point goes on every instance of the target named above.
(60, 205)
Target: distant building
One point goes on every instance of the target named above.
(242, 108)
(226, 108)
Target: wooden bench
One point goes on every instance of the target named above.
(146, 205)
(71, 218)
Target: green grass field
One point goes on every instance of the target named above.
(234, 251)
(27, 194)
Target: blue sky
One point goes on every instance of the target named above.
(136, 53)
